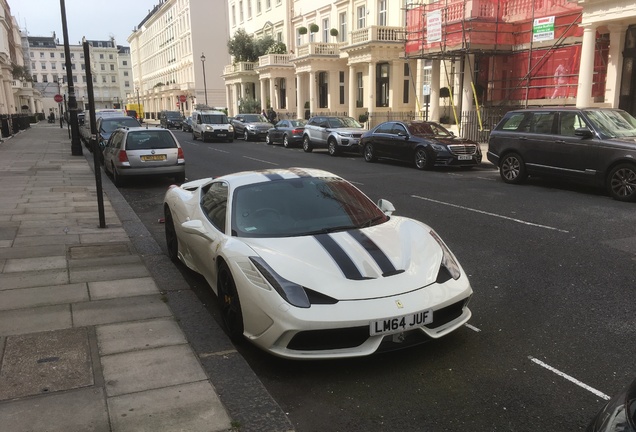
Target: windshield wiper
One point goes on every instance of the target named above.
(328, 230)
(370, 221)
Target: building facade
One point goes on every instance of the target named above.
(178, 52)
(438, 60)
(110, 68)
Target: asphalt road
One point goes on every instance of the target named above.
(554, 315)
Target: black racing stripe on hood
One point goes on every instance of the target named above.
(380, 258)
(340, 257)
(272, 176)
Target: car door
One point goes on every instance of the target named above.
(539, 138)
(111, 147)
(403, 143)
(277, 133)
(382, 140)
(206, 234)
(574, 156)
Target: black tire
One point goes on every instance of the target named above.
(117, 180)
(194, 137)
(307, 147)
(512, 169)
(332, 147)
(230, 304)
(621, 182)
(246, 135)
(423, 159)
(172, 241)
(268, 140)
(286, 142)
(368, 153)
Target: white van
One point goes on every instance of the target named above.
(213, 125)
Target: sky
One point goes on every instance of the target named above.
(93, 19)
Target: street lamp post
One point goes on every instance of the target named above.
(138, 103)
(205, 87)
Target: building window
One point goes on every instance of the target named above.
(45, 78)
(110, 56)
(101, 56)
(241, 11)
(382, 12)
(83, 78)
(360, 93)
(33, 66)
(103, 67)
(113, 79)
(283, 93)
(299, 38)
(343, 26)
(35, 78)
(258, 6)
(268, 4)
(382, 85)
(74, 78)
(125, 73)
(43, 65)
(126, 83)
(362, 17)
(32, 54)
(233, 15)
(52, 55)
(325, 30)
(41, 55)
(249, 9)
(103, 79)
(323, 90)
(112, 67)
(53, 66)
(342, 87)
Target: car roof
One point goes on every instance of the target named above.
(252, 177)
(567, 108)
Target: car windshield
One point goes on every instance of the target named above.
(297, 123)
(613, 123)
(214, 119)
(109, 125)
(173, 114)
(301, 206)
(342, 122)
(254, 118)
(428, 129)
(150, 139)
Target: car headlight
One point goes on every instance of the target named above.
(251, 127)
(438, 147)
(293, 293)
(208, 128)
(230, 128)
(448, 261)
(345, 134)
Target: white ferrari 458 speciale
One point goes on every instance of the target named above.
(306, 266)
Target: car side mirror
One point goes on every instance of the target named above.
(403, 135)
(386, 206)
(583, 132)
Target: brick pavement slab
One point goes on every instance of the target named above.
(32, 320)
(122, 288)
(43, 296)
(119, 310)
(154, 333)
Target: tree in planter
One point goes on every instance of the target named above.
(333, 32)
(363, 118)
(313, 28)
(242, 47)
(302, 30)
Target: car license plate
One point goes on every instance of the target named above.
(464, 157)
(220, 134)
(401, 323)
(159, 157)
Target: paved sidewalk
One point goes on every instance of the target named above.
(90, 338)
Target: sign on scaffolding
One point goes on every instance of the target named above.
(434, 26)
(543, 29)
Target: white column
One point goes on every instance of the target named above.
(312, 91)
(31, 105)
(370, 105)
(300, 95)
(586, 68)
(468, 101)
(272, 93)
(615, 64)
(433, 114)
(352, 90)
(333, 85)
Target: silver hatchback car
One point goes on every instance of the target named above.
(138, 151)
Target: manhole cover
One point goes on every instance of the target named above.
(45, 362)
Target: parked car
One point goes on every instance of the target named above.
(248, 126)
(170, 119)
(287, 132)
(85, 129)
(424, 144)
(618, 414)
(336, 134)
(593, 145)
(139, 151)
(186, 125)
(107, 125)
(306, 266)
(211, 125)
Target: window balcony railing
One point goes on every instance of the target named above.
(378, 34)
(274, 60)
(239, 67)
(319, 48)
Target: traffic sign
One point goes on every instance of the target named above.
(182, 98)
(58, 98)
(177, 104)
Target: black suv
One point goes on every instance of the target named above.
(170, 119)
(590, 145)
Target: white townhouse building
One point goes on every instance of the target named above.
(48, 69)
(171, 48)
(344, 56)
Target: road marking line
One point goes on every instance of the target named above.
(216, 149)
(569, 378)
(260, 160)
(490, 214)
(473, 328)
